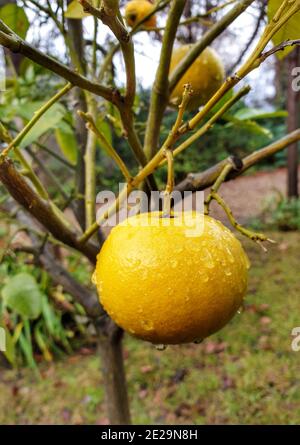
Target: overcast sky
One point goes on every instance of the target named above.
(148, 51)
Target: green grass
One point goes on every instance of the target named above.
(245, 374)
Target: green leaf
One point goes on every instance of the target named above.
(250, 126)
(22, 295)
(49, 317)
(26, 348)
(68, 144)
(255, 113)
(104, 127)
(15, 17)
(42, 343)
(48, 121)
(75, 11)
(10, 352)
(289, 31)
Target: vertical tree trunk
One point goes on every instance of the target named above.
(112, 363)
(16, 58)
(75, 32)
(292, 124)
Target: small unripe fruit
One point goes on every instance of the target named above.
(136, 11)
(206, 75)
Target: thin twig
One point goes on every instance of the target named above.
(200, 181)
(210, 123)
(113, 21)
(90, 171)
(278, 48)
(91, 125)
(215, 187)
(15, 44)
(254, 236)
(251, 39)
(170, 183)
(55, 155)
(159, 96)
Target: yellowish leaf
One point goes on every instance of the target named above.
(75, 11)
(289, 31)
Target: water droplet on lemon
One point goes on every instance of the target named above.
(160, 347)
(198, 341)
(147, 325)
(94, 278)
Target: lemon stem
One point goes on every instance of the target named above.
(168, 147)
(170, 183)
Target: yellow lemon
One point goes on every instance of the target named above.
(136, 11)
(171, 280)
(206, 75)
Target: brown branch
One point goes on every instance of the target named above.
(278, 48)
(43, 253)
(81, 293)
(20, 190)
(109, 16)
(16, 45)
(200, 181)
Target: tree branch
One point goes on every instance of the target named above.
(43, 254)
(159, 96)
(284, 13)
(17, 45)
(200, 181)
(105, 144)
(19, 189)
(278, 48)
(210, 123)
(109, 16)
(61, 276)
